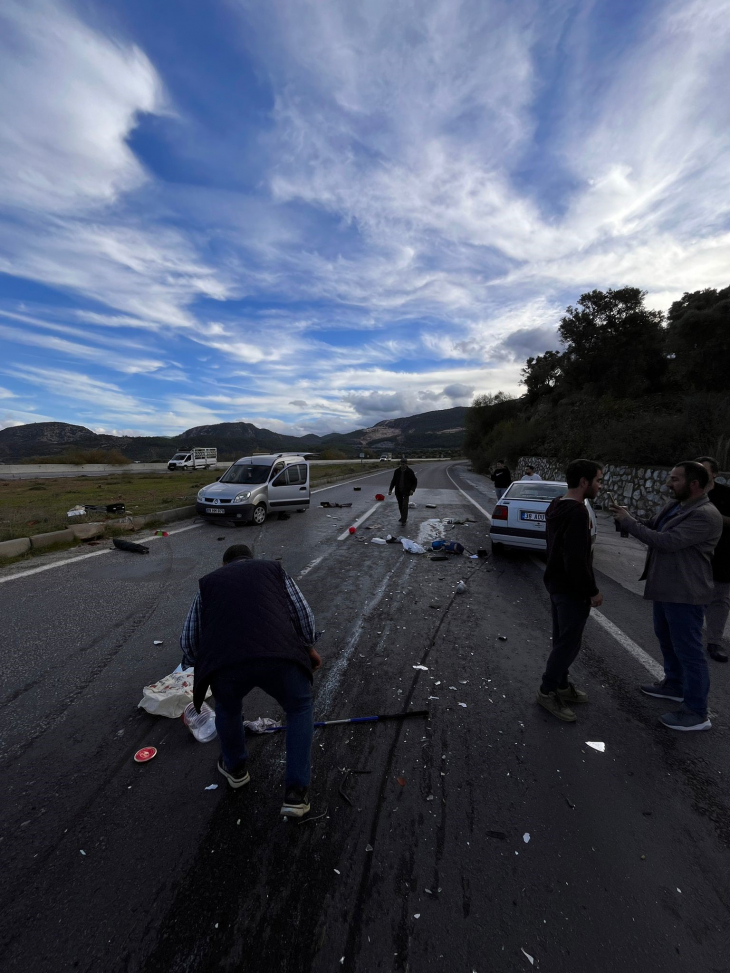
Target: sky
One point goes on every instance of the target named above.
(314, 215)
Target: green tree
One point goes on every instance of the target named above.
(613, 345)
(698, 340)
(542, 374)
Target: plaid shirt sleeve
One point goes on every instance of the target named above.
(191, 634)
(300, 612)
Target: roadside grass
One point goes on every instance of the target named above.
(30, 507)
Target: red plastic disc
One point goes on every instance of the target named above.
(145, 754)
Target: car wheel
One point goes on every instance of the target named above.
(497, 548)
(258, 516)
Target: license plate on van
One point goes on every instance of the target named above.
(532, 515)
(214, 510)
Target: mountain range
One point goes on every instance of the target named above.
(440, 430)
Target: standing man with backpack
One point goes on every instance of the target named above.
(572, 586)
(404, 483)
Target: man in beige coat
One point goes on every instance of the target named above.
(681, 539)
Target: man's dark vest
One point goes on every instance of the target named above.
(245, 616)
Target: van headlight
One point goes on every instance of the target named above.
(241, 497)
(201, 493)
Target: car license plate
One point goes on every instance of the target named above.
(533, 516)
(214, 510)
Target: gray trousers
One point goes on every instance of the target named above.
(716, 613)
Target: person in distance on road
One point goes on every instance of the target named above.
(572, 586)
(530, 474)
(678, 573)
(249, 626)
(718, 609)
(501, 478)
(404, 483)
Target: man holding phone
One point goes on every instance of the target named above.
(572, 586)
(678, 572)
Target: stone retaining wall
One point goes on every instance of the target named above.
(640, 488)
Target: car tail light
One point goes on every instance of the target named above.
(500, 512)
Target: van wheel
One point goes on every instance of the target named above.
(258, 516)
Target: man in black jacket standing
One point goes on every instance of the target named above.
(249, 626)
(404, 483)
(717, 611)
(572, 586)
(501, 478)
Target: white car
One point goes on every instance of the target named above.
(518, 519)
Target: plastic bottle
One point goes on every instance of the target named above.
(201, 725)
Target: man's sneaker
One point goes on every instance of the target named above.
(236, 777)
(554, 704)
(716, 652)
(296, 803)
(572, 695)
(685, 720)
(662, 690)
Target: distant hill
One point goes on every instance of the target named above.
(440, 430)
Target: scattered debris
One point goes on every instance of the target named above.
(570, 804)
(401, 781)
(391, 540)
(337, 871)
(411, 546)
(431, 506)
(220, 538)
(377, 540)
(424, 668)
(212, 787)
(308, 819)
(122, 545)
(264, 724)
(330, 503)
(78, 511)
(379, 496)
(502, 638)
(161, 533)
(82, 852)
(417, 915)
(532, 961)
(145, 754)
(526, 837)
(463, 704)
(157, 642)
(601, 747)
(411, 504)
(434, 604)
(368, 847)
(461, 587)
(352, 530)
(357, 489)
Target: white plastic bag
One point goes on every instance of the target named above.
(411, 546)
(170, 695)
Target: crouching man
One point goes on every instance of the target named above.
(250, 627)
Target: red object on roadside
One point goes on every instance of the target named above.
(145, 754)
(379, 496)
(353, 529)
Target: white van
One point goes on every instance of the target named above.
(194, 459)
(255, 486)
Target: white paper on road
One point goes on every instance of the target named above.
(531, 959)
(601, 747)
(411, 546)
(170, 695)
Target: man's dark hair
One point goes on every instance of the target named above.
(579, 469)
(694, 471)
(235, 552)
(529, 467)
(711, 462)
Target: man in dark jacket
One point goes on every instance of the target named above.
(572, 586)
(404, 483)
(501, 478)
(249, 626)
(718, 609)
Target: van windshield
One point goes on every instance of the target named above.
(180, 455)
(246, 473)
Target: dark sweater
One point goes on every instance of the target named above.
(404, 480)
(245, 616)
(719, 495)
(501, 478)
(569, 568)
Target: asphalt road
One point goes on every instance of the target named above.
(482, 836)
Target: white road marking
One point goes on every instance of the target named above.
(470, 499)
(312, 564)
(84, 557)
(641, 655)
(360, 520)
(651, 665)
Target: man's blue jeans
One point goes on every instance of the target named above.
(288, 683)
(679, 630)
